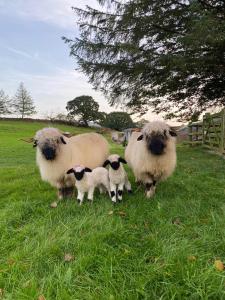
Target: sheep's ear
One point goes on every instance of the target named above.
(62, 140)
(87, 170)
(140, 137)
(106, 163)
(35, 144)
(70, 171)
(122, 160)
(172, 133)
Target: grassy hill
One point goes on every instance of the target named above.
(163, 248)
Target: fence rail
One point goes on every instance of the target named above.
(210, 132)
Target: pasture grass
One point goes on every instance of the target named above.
(162, 248)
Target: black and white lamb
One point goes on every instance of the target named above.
(118, 178)
(87, 180)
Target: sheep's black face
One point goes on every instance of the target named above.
(156, 144)
(49, 152)
(115, 165)
(79, 175)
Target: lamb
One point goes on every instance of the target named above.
(56, 153)
(152, 154)
(87, 180)
(117, 176)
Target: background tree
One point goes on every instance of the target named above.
(84, 109)
(23, 103)
(4, 104)
(168, 55)
(118, 120)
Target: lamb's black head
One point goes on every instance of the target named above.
(114, 161)
(78, 172)
(157, 135)
(49, 141)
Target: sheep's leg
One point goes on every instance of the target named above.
(80, 197)
(60, 193)
(128, 186)
(113, 192)
(101, 189)
(68, 191)
(91, 194)
(60, 187)
(120, 191)
(150, 188)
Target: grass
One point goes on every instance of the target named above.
(132, 251)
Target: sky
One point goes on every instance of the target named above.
(32, 52)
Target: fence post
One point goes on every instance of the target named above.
(222, 131)
(190, 133)
(203, 129)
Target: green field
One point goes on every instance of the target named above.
(163, 248)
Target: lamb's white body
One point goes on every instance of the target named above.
(99, 177)
(118, 178)
(149, 168)
(89, 149)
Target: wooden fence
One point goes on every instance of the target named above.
(210, 132)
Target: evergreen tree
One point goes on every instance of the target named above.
(168, 55)
(4, 104)
(23, 103)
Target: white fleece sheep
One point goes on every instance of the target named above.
(117, 176)
(57, 153)
(152, 154)
(87, 180)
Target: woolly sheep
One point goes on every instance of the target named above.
(152, 154)
(117, 176)
(87, 180)
(57, 153)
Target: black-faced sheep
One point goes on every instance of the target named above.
(57, 153)
(152, 154)
(117, 176)
(87, 180)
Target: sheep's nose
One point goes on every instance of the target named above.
(49, 153)
(156, 146)
(79, 175)
(115, 165)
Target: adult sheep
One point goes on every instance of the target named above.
(56, 154)
(151, 154)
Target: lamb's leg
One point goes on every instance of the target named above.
(101, 189)
(91, 194)
(106, 186)
(150, 188)
(120, 191)
(113, 192)
(80, 197)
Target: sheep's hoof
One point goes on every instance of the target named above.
(130, 192)
(91, 200)
(79, 201)
(113, 202)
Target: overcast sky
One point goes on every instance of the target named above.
(32, 51)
